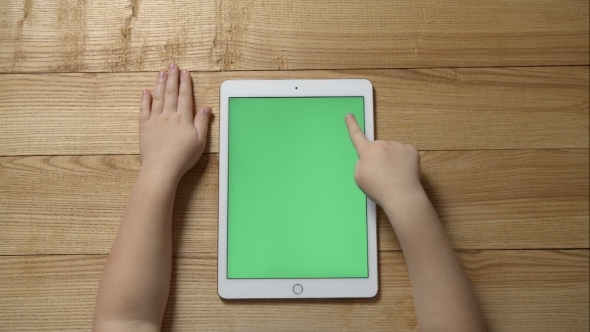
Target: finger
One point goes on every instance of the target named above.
(171, 95)
(158, 97)
(185, 95)
(145, 106)
(202, 122)
(358, 138)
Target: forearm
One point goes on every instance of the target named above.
(443, 297)
(136, 280)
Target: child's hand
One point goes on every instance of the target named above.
(386, 170)
(171, 138)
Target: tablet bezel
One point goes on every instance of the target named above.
(284, 288)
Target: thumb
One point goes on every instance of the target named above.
(356, 173)
(201, 121)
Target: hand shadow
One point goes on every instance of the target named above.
(185, 195)
(432, 191)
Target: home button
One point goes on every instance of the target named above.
(297, 289)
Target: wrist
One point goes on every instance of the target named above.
(414, 220)
(160, 177)
(398, 205)
(400, 200)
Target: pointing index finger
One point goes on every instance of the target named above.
(358, 138)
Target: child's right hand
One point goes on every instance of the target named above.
(386, 170)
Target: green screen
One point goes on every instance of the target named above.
(294, 210)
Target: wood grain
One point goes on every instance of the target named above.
(486, 200)
(106, 36)
(505, 150)
(314, 34)
(110, 35)
(435, 109)
(516, 289)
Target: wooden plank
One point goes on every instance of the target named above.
(493, 199)
(105, 36)
(376, 34)
(463, 108)
(518, 290)
(435, 109)
(110, 35)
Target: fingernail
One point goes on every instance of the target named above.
(162, 74)
(207, 110)
(184, 72)
(144, 92)
(349, 116)
(172, 66)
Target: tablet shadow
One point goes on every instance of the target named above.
(275, 302)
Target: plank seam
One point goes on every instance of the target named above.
(574, 149)
(179, 255)
(296, 70)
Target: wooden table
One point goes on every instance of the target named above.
(493, 93)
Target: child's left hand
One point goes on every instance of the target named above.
(171, 138)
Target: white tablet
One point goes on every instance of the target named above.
(292, 222)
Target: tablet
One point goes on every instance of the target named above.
(292, 222)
